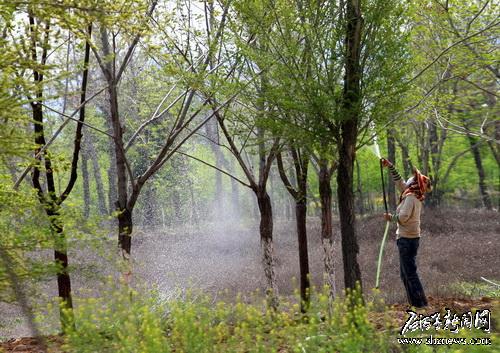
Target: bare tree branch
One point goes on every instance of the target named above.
(216, 168)
(58, 131)
(444, 51)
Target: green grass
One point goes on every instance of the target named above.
(127, 321)
(476, 290)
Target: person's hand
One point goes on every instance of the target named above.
(385, 162)
(387, 216)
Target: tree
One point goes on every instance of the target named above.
(454, 70)
(129, 186)
(300, 160)
(39, 32)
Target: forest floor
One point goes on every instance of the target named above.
(457, 248)
(397, 312)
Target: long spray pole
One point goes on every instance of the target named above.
(381, 251)
(383, 184)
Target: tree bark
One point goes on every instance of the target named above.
(112, 191)
(63, 277)
(266, 241)
(350, 248)
(405, 157)
(435, 142)
(299, 193)
(325, 194)
(125, 227)
(476, 152)
(301, 216)
(86, 187)
(351, 103)
(101, 199)
(111, 171)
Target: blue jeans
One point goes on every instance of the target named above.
(408, 269)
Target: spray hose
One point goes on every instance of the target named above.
(381, 251)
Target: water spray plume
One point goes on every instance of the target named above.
(375, 147)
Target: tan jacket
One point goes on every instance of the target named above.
(408, 211)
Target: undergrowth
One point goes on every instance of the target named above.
(127, 321)
(474, 290)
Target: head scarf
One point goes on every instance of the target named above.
(417, 185)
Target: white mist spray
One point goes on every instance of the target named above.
(375, 147)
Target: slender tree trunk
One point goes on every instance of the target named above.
(86, 187)
(476, 152)
(495, 147)
(111, 172)
(63, 277)
(266, 241)
(101, 199)
(325, 194)
(405, 156)
(120, 205)
(425, 149)
(60, 246)
(218, 203)
(125, 215)
(434, 198)
(299, 193)
(301, 216)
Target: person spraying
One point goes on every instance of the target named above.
(407, 218)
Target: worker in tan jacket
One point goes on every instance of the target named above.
(407, 217)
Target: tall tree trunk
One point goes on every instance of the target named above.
(351, 105)
(101, 199)
(218, 203)
(120, 204)
(124, 214)
(405, 157)
(325, 194)
(86, 187)
(425, 149)
(434, 198)
(476, 152)
(63, 277)
(301, 217)
(49, 202)
(299, 193)
(350, 248)
(391, 154)
(125, 227)
(266, 242)
(495, 147)
(111, 172)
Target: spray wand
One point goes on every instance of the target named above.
(381, 252)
